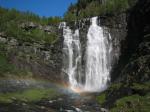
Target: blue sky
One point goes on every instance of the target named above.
(41, 7)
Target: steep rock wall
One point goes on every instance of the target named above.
(41, 59)
(137, 42)
(133, 67)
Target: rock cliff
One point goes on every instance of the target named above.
(39, 59)
(132, 73)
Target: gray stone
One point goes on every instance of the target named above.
(104, 110)
(3, 40)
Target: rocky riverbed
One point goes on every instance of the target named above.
(41, 96)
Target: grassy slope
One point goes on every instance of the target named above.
(138, 101)
(30, 95)
(11, 20)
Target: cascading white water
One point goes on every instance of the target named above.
(97, 62)
(72, 53)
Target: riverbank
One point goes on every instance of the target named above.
(30, 95)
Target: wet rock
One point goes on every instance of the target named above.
(13, 42)
(2, 34)
(137, 71)
(24, 104)
(104, 110)
(3, 40)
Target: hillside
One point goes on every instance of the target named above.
(26, 41)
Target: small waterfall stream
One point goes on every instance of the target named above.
(98, 58)
(72, 57)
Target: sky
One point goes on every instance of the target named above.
(45, 8)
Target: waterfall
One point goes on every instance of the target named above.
(97, 62)
(98, 58)
(72, 56)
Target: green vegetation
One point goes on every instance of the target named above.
(138, 101)
(25, 27)
(5, 66)
(89, 8)
(143, 87)
(39, 35)
(101, 98)
(7, 69)
(134, 103)
(115, 86)
(12, 14)
(11, 21)
(30, 95)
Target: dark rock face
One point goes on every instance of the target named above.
(136, 71)
(134, 63)
(116, 25)
(137, 41)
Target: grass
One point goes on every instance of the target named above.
(115, 86)
(30, 95)
(133, 103)
(101, 98)
(145, 86)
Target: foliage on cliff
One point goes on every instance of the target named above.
(89, 8)
(11, 21)
(26, 38)
(13, 14)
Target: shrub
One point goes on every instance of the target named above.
(5, 66)
(11, 19)
(89, 8)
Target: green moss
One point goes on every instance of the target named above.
(144, 86)
(115, 86)
(51, 38)
(134, 103)
(9, 70)
(30, 95)
(101, 98)
(5, 66)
